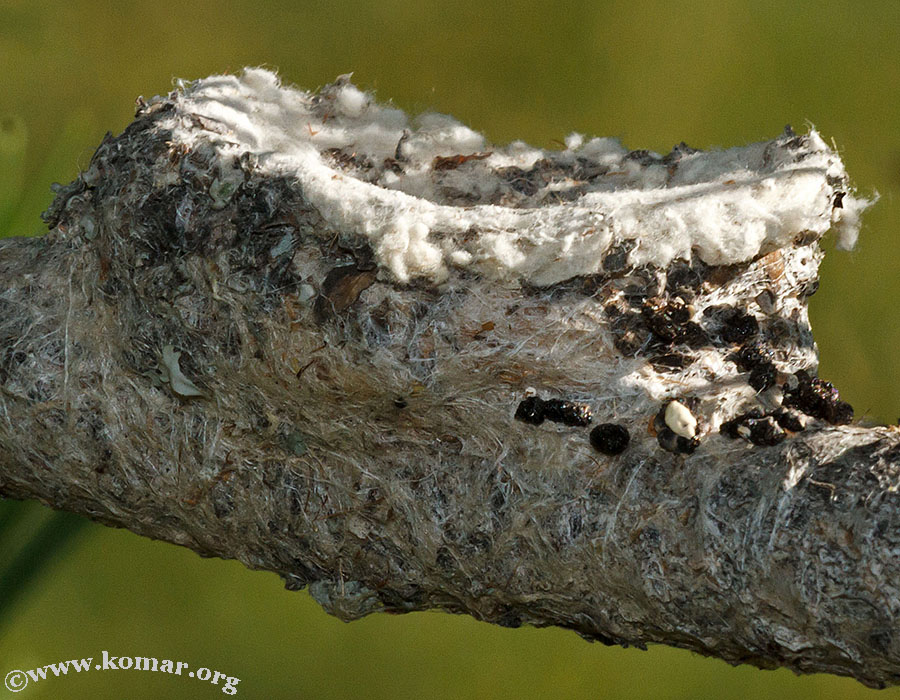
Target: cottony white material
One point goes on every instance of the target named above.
(724, 206)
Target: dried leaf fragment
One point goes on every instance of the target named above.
(342, 286)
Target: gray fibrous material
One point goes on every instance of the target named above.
(367, 353)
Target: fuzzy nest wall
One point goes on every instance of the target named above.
(411, 370)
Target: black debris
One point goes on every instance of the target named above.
(659, 420)
(531, 410)
(678, 152)
(665, 320)
(762, 376)
(616, 260)
(693, 336)
(643, 156)
(610, 438)
(740, 327)
(567, 412)
(755, 427)
(818, 398)
(810, 289)
(840, 413)
(790, 420)
(671, 442)
(629, 333)
(684, 278)
(669, 362)
(535, 410)
(667, 439)
(732, 325)
(751, 356)
(732, 428)
(766, 432)
(669, 321)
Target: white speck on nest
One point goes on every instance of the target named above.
(680, 420)
(170, 372)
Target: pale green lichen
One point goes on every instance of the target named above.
(224, 186)
(295, 443)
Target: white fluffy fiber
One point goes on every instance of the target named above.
(725, 206)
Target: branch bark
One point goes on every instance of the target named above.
(293, 330)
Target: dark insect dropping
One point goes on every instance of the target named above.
(818, 398)
(790, 420)
(731, 324)
(535, 410)
(737, 426)
(567, 412)
(762, 376)
(766, 432)
(740, 327)
(665, 319)
(610, 438)
(531, 410)
(754, 427)
(617, 258)
(841, 413)
(751, 356)
(678, 444)
(757, 360)
(669, 321)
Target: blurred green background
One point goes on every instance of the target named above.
(712, 74)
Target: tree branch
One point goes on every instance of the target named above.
(383, 360)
